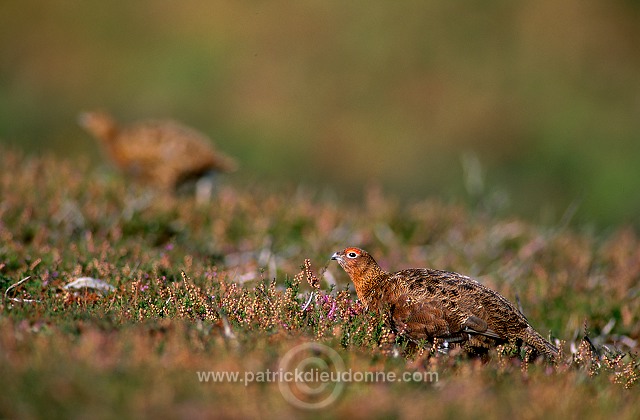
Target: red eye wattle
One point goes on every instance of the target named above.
(352, 253)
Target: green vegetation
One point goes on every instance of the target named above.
(506, 131)
(543, 93)
(244, 301)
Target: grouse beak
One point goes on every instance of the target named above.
(336, 256)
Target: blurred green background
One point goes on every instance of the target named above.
(528, 107)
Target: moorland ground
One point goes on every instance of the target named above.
(247, 298)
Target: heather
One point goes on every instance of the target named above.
(234, 284)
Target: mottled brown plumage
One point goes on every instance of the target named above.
(427, 304)
(163, 153)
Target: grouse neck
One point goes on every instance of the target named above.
(109, 139)
(369, 282)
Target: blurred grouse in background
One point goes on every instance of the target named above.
(427, 304)
(162, 153)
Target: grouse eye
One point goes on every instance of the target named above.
(352, 254)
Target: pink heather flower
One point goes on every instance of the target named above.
(332, 311)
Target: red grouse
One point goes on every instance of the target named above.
(427, 304)
(163, 153)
